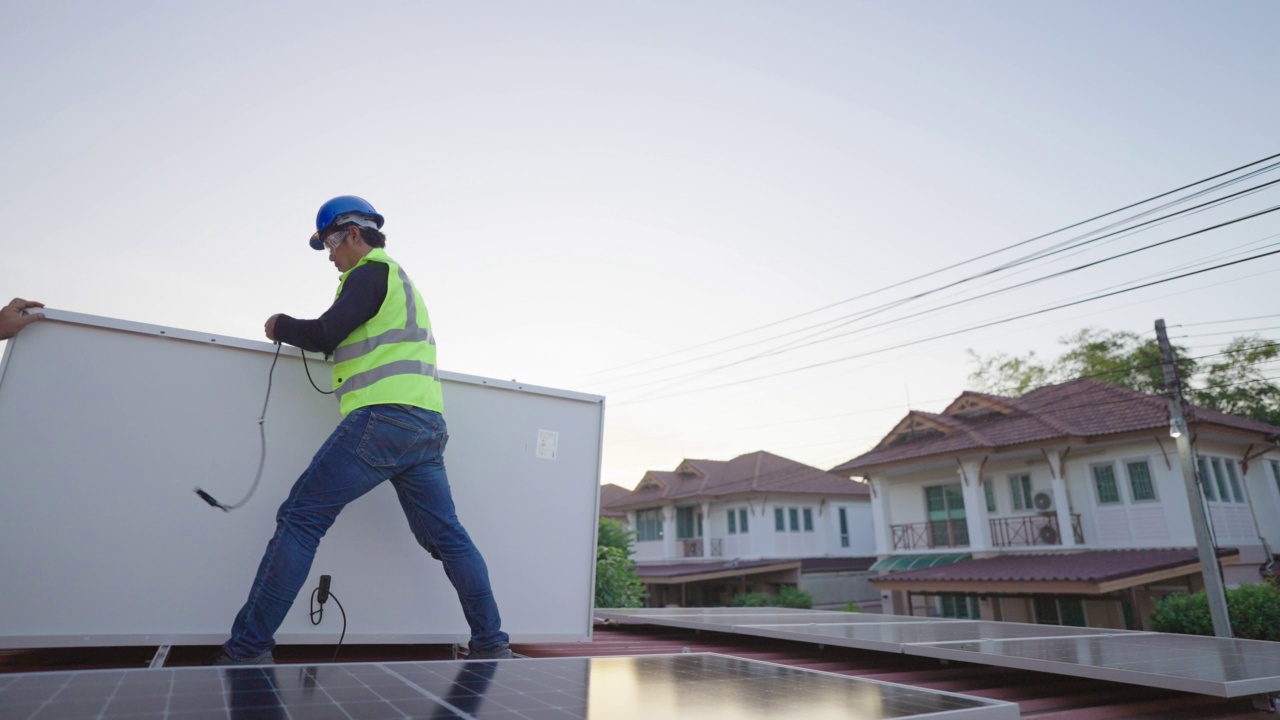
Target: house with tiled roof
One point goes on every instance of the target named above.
(1066, 505)
(713, 528)
(609, 493)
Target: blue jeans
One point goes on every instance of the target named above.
(399, 443)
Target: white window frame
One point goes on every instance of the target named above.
(1151, 476)
(1115, 478)
(1226, 492)
(1235, 481)
(989, 490)
(641, 520)
(1207, 486)
(1022, 491)
(743, 527)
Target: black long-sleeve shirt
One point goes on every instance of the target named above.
(362, 294)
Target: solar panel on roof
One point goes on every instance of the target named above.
(916, 562)
(893, 637)
(703, 686)
(717, 620)
(1207, 665)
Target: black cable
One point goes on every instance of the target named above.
(955, 265)
(303, 353)
(317, 615)
(262, 457)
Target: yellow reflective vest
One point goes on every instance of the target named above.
(391, 359)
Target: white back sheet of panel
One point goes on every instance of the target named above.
(107, 426)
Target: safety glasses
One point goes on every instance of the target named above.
(333, 240)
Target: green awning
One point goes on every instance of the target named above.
(915, 562)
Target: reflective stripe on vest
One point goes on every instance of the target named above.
(391, 346)
(410, 333)
(382, 372)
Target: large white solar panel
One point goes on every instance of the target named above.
(106, 426)
(671, 687)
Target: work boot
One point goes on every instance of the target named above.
(501, 652)
(222, 658)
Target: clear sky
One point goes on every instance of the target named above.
(576, 186)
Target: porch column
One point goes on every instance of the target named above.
(881, 517)
(705, 508)
(670, 546)
(761, 532)
(975, 505)
(1061, 504)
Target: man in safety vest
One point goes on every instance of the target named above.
(388, 388)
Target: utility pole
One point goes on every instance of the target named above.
(1195, 499)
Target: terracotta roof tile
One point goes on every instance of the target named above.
(1079, 408)
(755, 472)
(609, 493)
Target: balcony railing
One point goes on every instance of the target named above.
(939, 533)
(691, 548)
(1032, 530)
(717, 547)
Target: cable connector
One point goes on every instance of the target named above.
(209, 499)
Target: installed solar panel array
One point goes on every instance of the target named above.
(696, 685)
(1205, 665)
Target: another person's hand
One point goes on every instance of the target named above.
(12, 320)
(270, 327)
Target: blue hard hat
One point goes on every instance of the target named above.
(337, 208)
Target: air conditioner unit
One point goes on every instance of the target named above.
(1048, 535)
(1042, 501)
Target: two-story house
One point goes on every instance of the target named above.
(712, 528)
(1066, 505)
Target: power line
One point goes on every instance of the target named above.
(785, 349)
(952, 266)
(817, 338)
(877, 309)
(1035, 280)
(957, 332)
(1231, 332)
(1220, 322)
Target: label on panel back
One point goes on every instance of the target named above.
(548, 440)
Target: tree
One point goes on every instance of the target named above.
(1234, 384)
(1230, 383)
(1254, 611)
(615, 534)
(617, 584)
